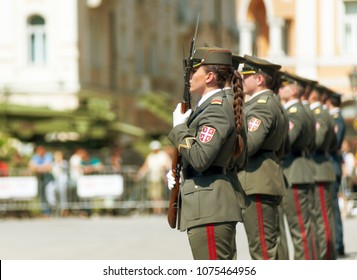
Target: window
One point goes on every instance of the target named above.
(349, 45)
(36, 40)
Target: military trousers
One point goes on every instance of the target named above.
(324, 215)
(296, 208)
(283, 248)
(340, 247)
(261, 223)
(215, 241)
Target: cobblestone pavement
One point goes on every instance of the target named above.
(141, 237)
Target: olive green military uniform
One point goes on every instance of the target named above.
(263, 180)
(324, 177)
(207, 194)
(296, 166)
(283, 249)
(229, 94)
(310, 175)
(209, 209)
(238, 164)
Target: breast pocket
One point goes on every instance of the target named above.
(197, 199)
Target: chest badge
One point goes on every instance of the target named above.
(291, 125)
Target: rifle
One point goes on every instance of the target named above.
(177, 160)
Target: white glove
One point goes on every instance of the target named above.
(171, 180)
(178, 117)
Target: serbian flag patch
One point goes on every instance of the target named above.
(253, 124)
(207, 134)
(291, 125)
(317, 125)
(336, 129)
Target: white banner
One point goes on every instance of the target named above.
(100, 186)
(18, 187)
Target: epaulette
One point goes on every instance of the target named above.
(293, 110)
(217, 100)
(263, 100)
(317, 111)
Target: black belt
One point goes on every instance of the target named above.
(189, 172)
(321, 153)
(298, 153)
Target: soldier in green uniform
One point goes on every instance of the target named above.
(333, 103)
(307, 86)
(206, 140)
(324, 176)
(296, 165)
(283, 249)
(262, 180)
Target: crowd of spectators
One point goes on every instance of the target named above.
(57, 173)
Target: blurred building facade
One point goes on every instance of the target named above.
(316, 39)
(93, 69)
(89, 58)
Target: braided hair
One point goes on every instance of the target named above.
(226, 74)
(238, 102)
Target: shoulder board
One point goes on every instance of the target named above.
(335, 115)
(317, 111)
(293, 110)
(263, 100)
(217, 100)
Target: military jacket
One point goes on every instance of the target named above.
(324, 171)
(238, 164)
(312, 127)
(229, 94)
(206, 140)
(335, 149)
(267, 131)
(311, 135)
(241, 161)
(296, 164)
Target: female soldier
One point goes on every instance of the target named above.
(206, 140)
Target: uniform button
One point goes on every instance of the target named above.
(196, 187)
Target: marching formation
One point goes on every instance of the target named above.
(261, 147)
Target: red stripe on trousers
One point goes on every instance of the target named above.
(301, 221)
(325, 218)
(212, 250)
(263, 244)
(313, 244)
(313, 230)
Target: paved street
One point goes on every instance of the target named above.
(140, 237)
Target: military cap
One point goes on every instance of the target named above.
(285, 79)
(334, 96)
(320, 89)
(253, 65)
(302, 81)
(236, 60)
(211, 55)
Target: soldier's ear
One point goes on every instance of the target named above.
(210, 77)
(259, 79)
